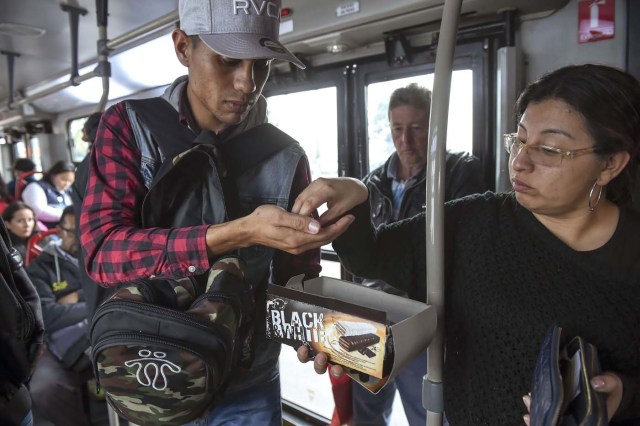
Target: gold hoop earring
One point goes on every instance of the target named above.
(592, 205)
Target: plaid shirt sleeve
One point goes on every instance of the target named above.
(116, 248)
(287, 265)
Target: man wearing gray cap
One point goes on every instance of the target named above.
(227, 47)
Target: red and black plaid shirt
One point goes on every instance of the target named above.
(118, 250)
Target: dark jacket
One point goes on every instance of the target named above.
(94, 294)
(19, 244)
(21, 331)
(50, 287)
(462, 177)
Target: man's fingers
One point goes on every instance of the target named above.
(293, 233)
(298, 223)
(320, 363)
(337, 371)
(306, 206)
(326, 235)
(303, 353)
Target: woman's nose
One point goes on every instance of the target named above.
(522, 160)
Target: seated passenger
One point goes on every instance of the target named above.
(561, 248)
(50, 195)
(23, 169)
(20, 221)
(5, 198)
(62, 373)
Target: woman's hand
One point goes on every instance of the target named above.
(608, 383)
(340, 194)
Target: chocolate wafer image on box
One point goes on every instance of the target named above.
(353, 343)
(352, 328)
(367, 352)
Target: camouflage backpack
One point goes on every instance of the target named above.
(163, 350)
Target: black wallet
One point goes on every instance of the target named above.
(561, 394)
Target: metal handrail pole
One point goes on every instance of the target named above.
(112, 44)
(51, 90)
(156, 24)
(432, 384)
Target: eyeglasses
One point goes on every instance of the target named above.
(543, 155)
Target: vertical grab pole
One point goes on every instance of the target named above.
(432, 391)
(103, 69)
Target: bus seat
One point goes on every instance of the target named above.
(33, 246)
(21, 183)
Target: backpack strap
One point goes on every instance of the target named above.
(235, 155)
(250, 148)
(161, 118)
(243, 151)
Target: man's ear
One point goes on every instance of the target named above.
(613, 165)
(182, 45)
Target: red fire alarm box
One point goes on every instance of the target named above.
(596, 20)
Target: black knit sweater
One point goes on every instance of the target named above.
(508, 279)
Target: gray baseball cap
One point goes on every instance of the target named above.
(239, 29)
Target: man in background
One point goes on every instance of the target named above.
(397, 191)
(23, 169)
(93, 293)
(63, 370)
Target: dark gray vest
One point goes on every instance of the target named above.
(197, 196)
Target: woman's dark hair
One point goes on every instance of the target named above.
(91, 125)
(609, 101)
(57, 168)
(24, 165)
(13, 207)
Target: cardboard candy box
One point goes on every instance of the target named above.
(372, 333)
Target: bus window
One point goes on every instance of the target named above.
(79, 148)
(36, 154)
(19, 149)
(311, 118)
(459, 131)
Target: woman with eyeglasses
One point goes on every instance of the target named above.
(561, 248)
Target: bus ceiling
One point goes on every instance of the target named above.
(37, 42)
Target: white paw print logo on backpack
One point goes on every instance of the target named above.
(152, 370)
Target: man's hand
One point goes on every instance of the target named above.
(274, 227)
(340, 194)
(320, 362)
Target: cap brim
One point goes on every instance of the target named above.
(249, 46)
